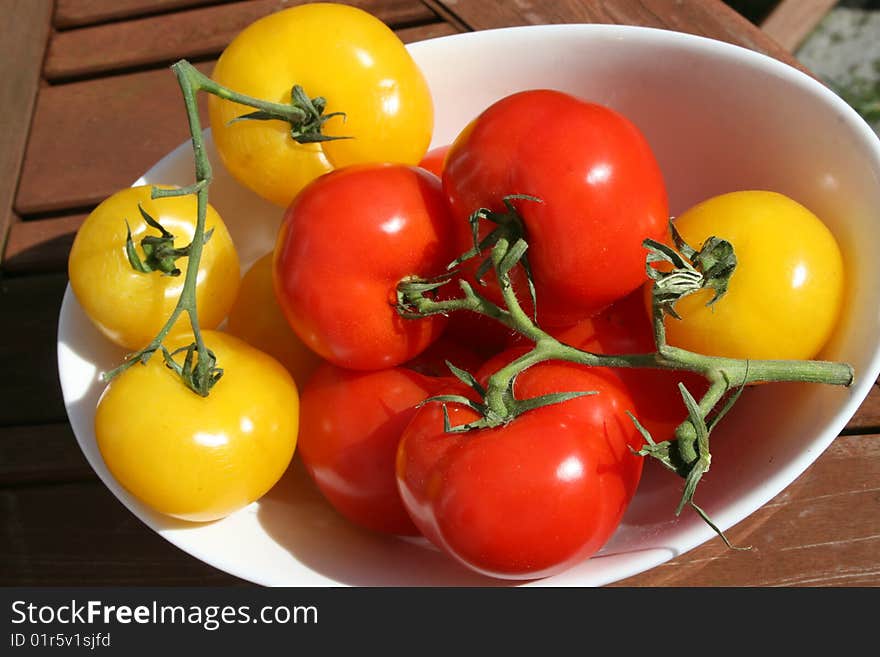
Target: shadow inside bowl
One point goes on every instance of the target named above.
(297, 517)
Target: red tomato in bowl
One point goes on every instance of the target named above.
(350, 426)
(601, 190)
(346, 241)
(531, 498)
(434, 159)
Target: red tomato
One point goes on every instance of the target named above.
(350, 426)
(601, 189)
(433, 160)
(346, 241)
(485, 336)
(531, 498)
(432, 361)
(624, 328)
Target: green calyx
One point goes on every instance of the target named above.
(159, 251)
(709, 268)
(305, 116)
(198, 372)
(510, 227)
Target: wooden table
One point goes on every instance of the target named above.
(89, 105)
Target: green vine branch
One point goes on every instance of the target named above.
(306, 118)
(683, 272)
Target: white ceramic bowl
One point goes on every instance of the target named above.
(720, 118)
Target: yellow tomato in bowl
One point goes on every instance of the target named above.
(786, 292)
(129, 306)
(200, 458)
(257, 319)
(333, 51)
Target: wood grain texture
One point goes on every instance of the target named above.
(818, 532)
(94, 137)
(823, 530)
(41, 245)
(791, 21)
(29, 390)
(80, 534)
(867, 417)
(73, 13)
(22, 42)
(709, 18)
(41, 453)
(197, 33)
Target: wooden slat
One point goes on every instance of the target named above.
(791, 21)
(74, 13)
(29, 389)
(867, 418)
(22, 42)
(91, 540)
(41, 453)
(823, 530)
(95, 137)
(41, 245)
(708, 18)
(191, 34)
(428, 31)
(827, 518)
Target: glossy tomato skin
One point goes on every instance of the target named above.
(531, 498)
(256, 318)
(351, 426)
(345, 243)
(624, 328)
(602, 190)
(200, 458)
(130, 307)
(434, 159)
(338, 52)
(787, 291)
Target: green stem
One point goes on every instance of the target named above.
(736, 372)
(189, 80)
(202, 82)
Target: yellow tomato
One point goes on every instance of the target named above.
(334, 51)
(128, 306)
(787, 290)
(257, 319)
(200, 458)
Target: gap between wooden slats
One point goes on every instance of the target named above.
(197, 33)
(78, 13)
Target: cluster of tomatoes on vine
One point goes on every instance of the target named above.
(321, 356)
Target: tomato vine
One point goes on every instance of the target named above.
(687, 271)
(200, 371)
